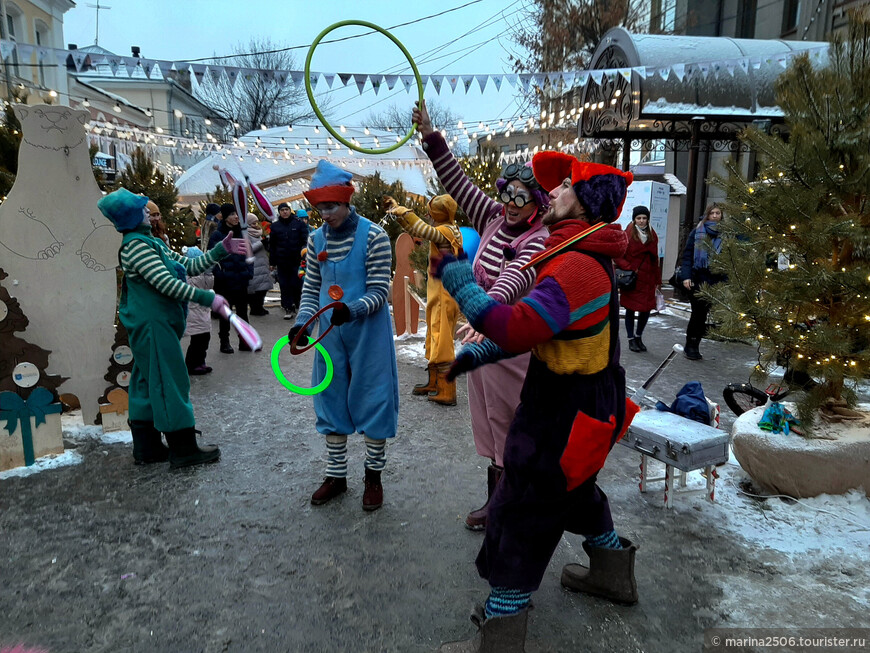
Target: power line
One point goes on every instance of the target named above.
(344, 38)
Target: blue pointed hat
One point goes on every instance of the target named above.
(329, 184)
(124, 209)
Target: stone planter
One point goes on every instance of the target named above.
(801, 467)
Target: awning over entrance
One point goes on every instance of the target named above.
(725, 82)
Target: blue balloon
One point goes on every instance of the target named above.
(470, 241)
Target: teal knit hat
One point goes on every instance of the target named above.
(124, 209)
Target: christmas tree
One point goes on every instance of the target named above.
(15, 350)
(796, 241)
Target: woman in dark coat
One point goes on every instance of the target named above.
(642, 256)
(704, 241)
(231, 276)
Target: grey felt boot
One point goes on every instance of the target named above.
(610, 574)
(494, 635)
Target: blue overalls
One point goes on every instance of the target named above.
(364, 394)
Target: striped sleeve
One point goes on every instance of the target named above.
(379, 260)
(200, 264)
(309, 304)
(416, 227)
(514, 283)
(478, 206)
(140, 258)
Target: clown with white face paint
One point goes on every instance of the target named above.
(348, 261)
(512, 233)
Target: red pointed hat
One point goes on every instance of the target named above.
(599, 188)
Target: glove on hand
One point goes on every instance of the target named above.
(234, 245)
(296, 328)
(340, 315)
(464, 363)
(218, 304)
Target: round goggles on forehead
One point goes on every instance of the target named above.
(520, 172)
(519, 200)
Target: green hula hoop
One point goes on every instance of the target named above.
(276, 368)
(310, 91)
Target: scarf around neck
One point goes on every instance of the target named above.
(705, 229)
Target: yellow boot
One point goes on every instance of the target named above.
(425, 388)
(445, 391)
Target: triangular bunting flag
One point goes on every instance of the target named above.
(664, 72)
(78, 58)
(538, 80)
(232, 75)
(512, 80)
(165, 68)
(436, 80)
(360, 81)
(41, 54)
(344, 78)
(215, 73)
(497, 80)
(25, 51)
(782, 60)
(641, 71)
(466, 82)
(569, 78)
(597, 76)
(755, 62)
(705, 69)
(408, 81)
(268, 76)
(296, 76)
(625, 73)
(114, 64)
(391, 81)
(453, 81)
(481, 81)
(729, 66)
(377, 82)
(329, 78)
(147, 67)
(282, 77)
(131, 64)
(744, 64)
(6, 49)
(582, 79)
(554, 78)
(679, 70)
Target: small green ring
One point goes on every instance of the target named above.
(310, 91)
(276, 368)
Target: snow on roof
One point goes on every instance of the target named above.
(265, 163)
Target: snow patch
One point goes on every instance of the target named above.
(70, 457)
(821, 523)
(76, 430)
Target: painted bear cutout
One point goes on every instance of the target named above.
(61, 251)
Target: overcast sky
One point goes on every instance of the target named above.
(473, 39)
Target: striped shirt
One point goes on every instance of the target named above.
(379, 260)
(412, 223)
(141, 260)
(511, 283)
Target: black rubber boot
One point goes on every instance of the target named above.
(633, 346)
(494, 635)
(185, 452)
(691, 349)
(610, 573)
(639, 342)
(148, 446)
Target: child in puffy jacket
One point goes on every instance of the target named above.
(198, 321)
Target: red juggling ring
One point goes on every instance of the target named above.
(301, 350)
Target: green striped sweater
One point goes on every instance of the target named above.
(140, 260)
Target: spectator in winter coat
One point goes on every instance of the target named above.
(231, 276)
(198, 320)
(289, 236)
(703, 242)
(158, 228)
(261, 282)
(642, 256)
(207, 227)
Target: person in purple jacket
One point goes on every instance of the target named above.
(511, 233)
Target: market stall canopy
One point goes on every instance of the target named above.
(653, 81)
(272, 160)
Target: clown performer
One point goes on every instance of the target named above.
(153, 309)
(573, 406)
(441, 309)
(349, 261)
(511, 233)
